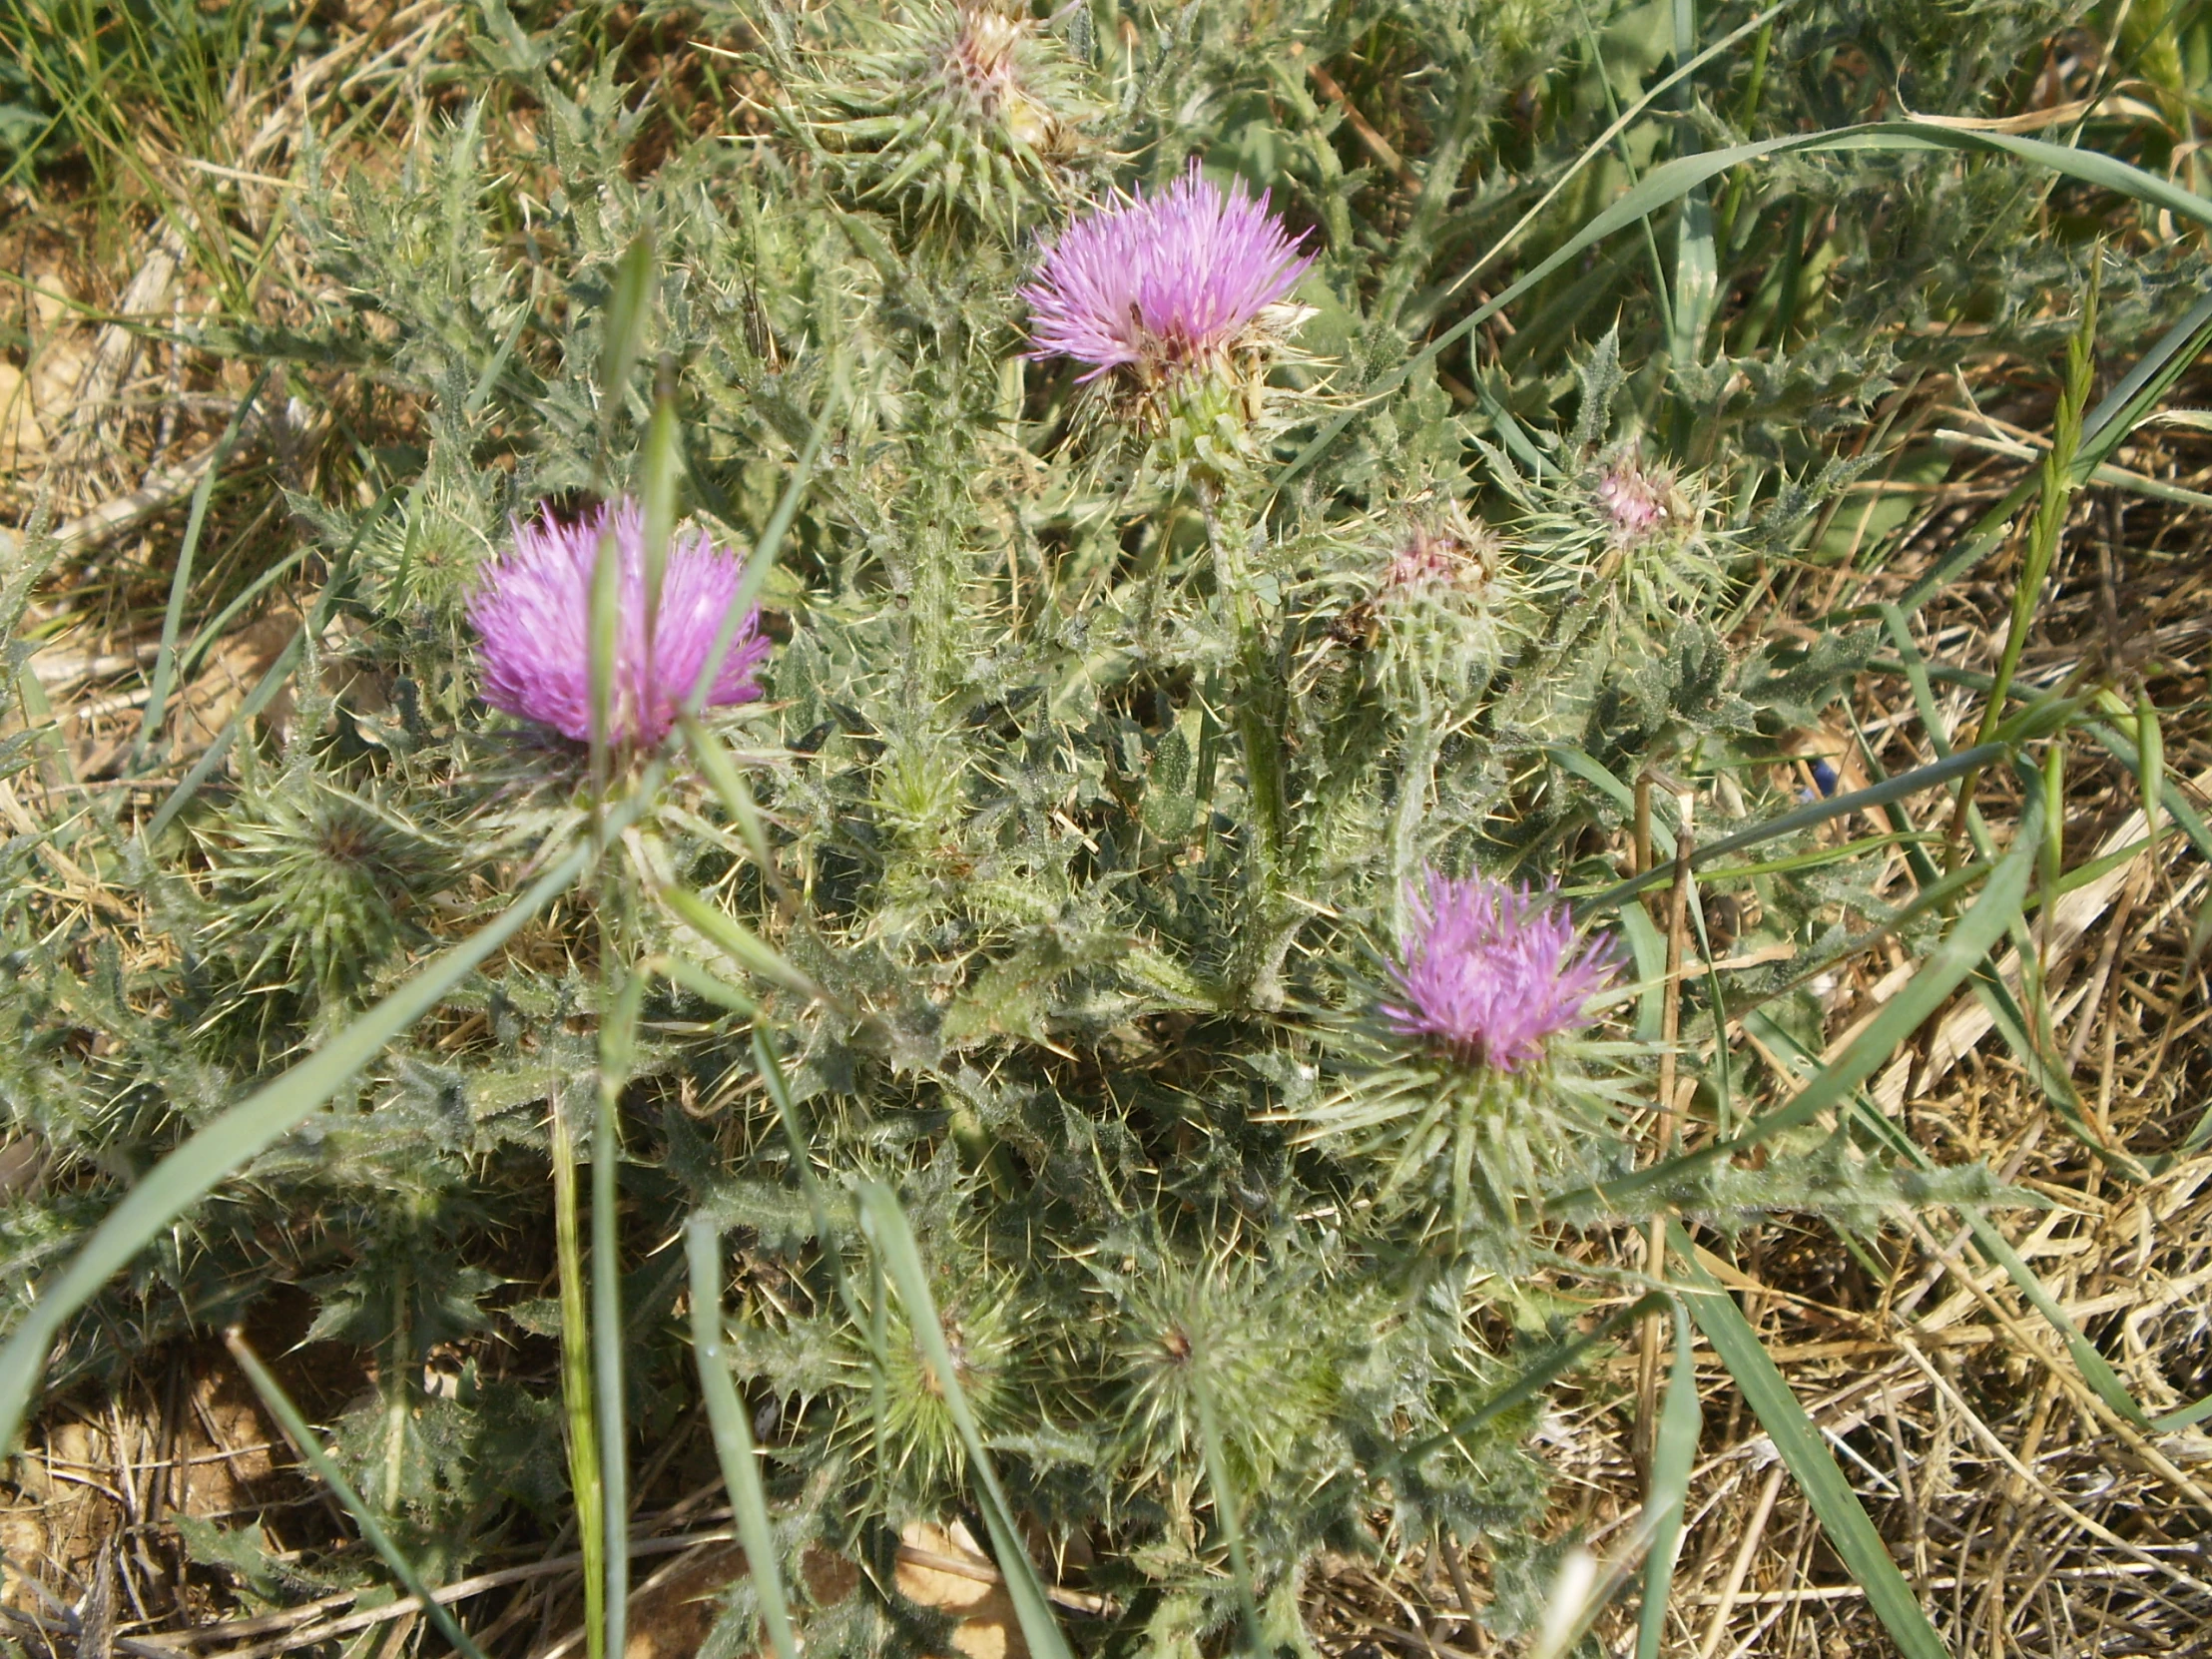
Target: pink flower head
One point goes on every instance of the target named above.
(1164, 284)
(1637, 501)
(533, 613)
(1489, 970)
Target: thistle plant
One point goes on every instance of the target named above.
(1064, 886)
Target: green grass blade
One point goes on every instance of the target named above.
(2103, 431)
(1599, 777)
(180, 581)
(1802, 818)
(617, 1054)
(2150, 763)
(734, 940)
(304, 1439)
(661, 462)
(711, 987)
(765, 550)
(2094, 1370)
(606, 650)
(629, 310)
(1674, 1452)
(2187, 1417)
(1962, 950)
(1696, 290)
(733, 1434)
(728, 784)
(207, 637)
(1647, 946)
(901, 1256)
(2123, 748)
(1837, 1507)
(578, 1408)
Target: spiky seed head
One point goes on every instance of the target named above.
(985, 66)
(1443, 604)
(918, 1440)
(1243, 1338)
(1490, 973)
(918, 789)
(319, 880)
(968, 110)
(532, 614)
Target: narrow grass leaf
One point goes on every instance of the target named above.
(1946, 966)
(209, 634)
(617, 1031)
(728, 784)
(1802, 818)
(1649, 949)
(628, 310)
(732, 938)
(1837, 1507)
(2106, 427)
(2150, 763)
(732, 1436)
(606, 634)
(1990, 988)
(2123, 748)
(682, 970)
(2094, 1370)
(1225, 1508)
(901, 1256)
(579, 1410)
(303, 1437)
(1595, 774)
(659, 464)
(1674, 1452)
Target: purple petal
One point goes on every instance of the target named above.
(1489, 970)
(532, 613)
(1172, 279)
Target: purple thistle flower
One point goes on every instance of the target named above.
(1164, 284)
(533, 613)
(1489, 971)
